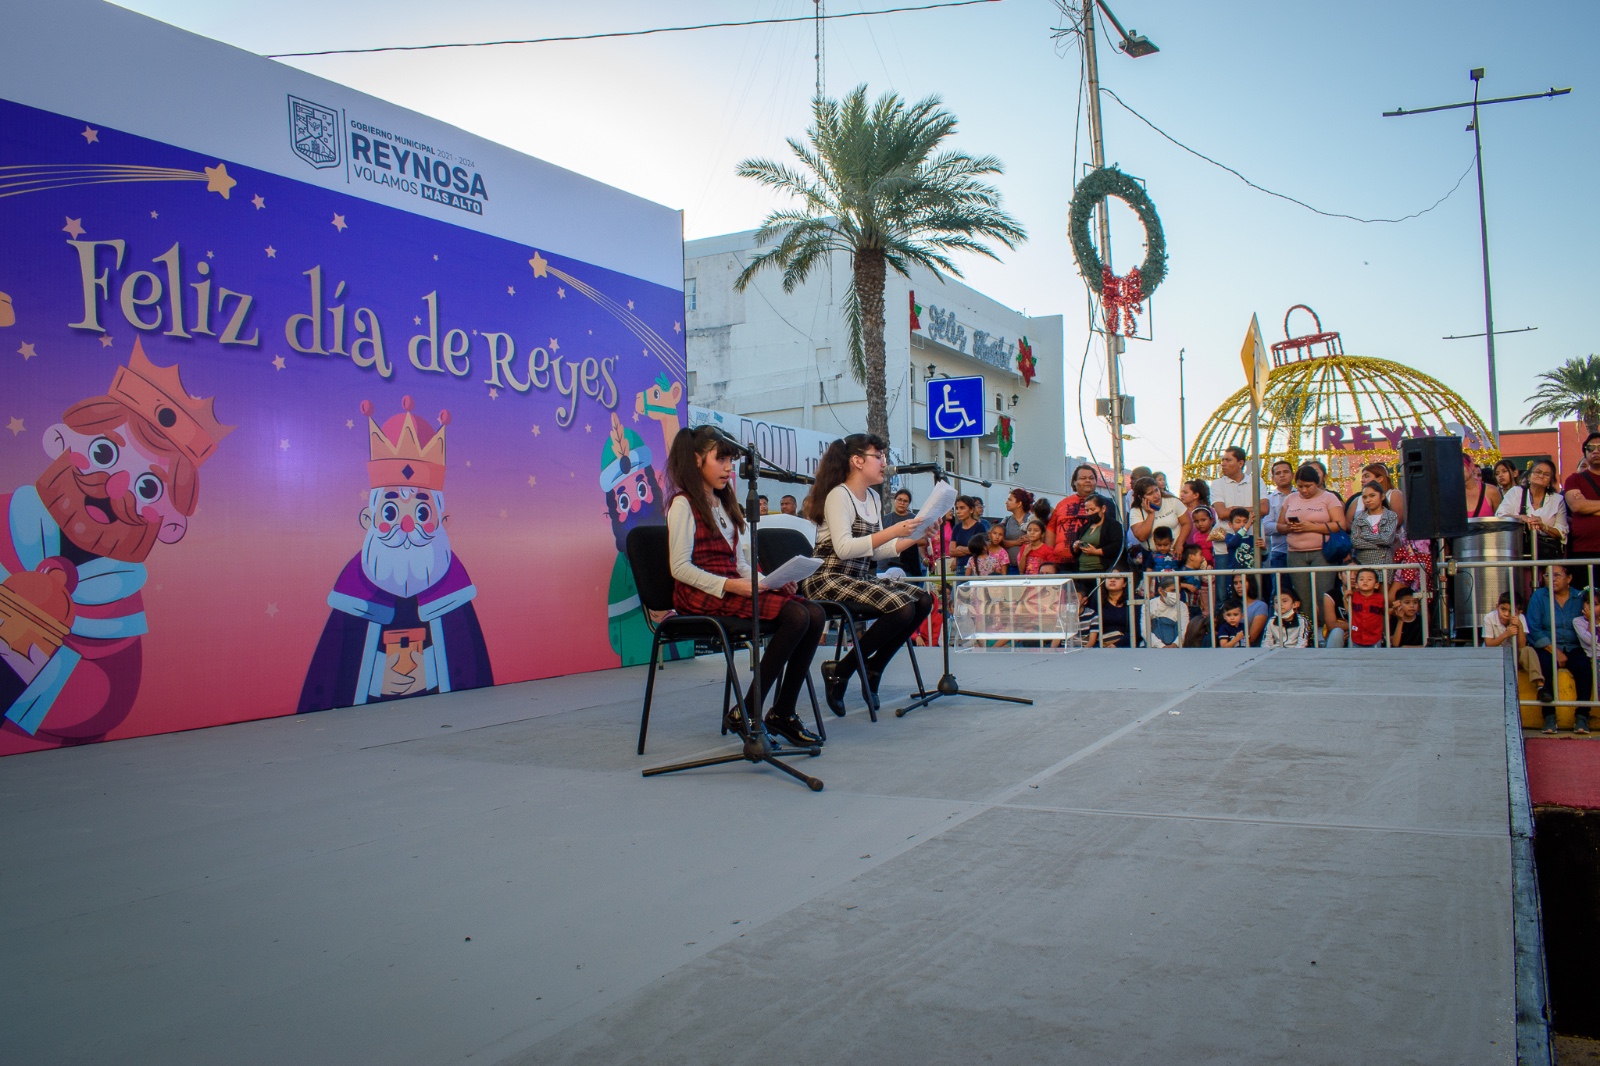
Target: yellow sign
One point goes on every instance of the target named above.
(1257, 361)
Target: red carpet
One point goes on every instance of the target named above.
(1564, 772)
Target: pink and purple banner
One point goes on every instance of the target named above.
(270, 447)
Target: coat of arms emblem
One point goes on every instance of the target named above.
(314, 133)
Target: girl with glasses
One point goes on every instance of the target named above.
(851, 538)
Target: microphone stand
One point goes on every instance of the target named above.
(948, 685)
(757, 748)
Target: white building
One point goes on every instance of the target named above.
(785, 358)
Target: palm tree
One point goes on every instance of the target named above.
(1573, 388)
(873, 182)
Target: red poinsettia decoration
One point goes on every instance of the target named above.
(916, 312)
(1025, 362)
(1005, 437)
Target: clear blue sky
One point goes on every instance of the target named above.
(1288, 93)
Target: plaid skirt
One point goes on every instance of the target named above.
(854, 582)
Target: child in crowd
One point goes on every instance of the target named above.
(1583, 625)
(1202, 520)
(1230, 625)
(1239, 544)
(1166, 618)
(994, 560)
(1288, 628)
(1366, 611)
(1405, 631)
(1160, 558)
(1034, 554)
(1194, 589)
(1499, 626)
(1042, 511)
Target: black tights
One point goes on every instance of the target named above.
(795, 634)
(886, 635)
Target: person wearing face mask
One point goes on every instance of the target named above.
(1166, 618)
(1288, 628)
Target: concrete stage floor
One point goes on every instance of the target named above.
(1213, 856)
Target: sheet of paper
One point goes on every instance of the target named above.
(934, 508)
(796, 569)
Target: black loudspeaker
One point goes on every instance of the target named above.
(1435, 492)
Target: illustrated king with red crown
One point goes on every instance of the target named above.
(402, 622)
(124, 474)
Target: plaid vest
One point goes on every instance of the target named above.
(713, 554)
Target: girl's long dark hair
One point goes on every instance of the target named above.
(683, 470)
(834, 467)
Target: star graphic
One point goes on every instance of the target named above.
(645, 352)
(15, 426)
(677, 327)
(630, 305)
(435, 257)
(339, 222)
(561, 292)
(591, 333)
(27, 352)
(469, 462)
(272, 253)
(535, 431)
(211, 255)
(278, 363)
(105, 340)
(284, 444)
(540, 264)
(272, 610)
(532, 480)
(587, 428)
(74, 226)
(494, 393)
(636, 416)
(503, 513)
(474, 333)
(416, 320)
(217, 180)
(512, 289)
(555, 345)
(259, 200)
(155, 214)
(349, 423)
(90, 135)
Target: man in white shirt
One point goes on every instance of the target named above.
(1232, 489)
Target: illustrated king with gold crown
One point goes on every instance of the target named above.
(403, 623)
(123, 475)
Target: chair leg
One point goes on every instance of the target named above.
(861, 667)
(649, 690)
(727, 688)
(816, 712)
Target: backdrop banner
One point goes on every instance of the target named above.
(274, 446)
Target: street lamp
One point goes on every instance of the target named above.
(1135, 46)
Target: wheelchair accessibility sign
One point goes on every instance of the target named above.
(955, 408)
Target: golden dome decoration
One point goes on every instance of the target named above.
(1344, 410)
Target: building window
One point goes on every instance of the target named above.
(691, 293)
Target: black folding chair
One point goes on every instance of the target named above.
(652, 575)
(776, 546)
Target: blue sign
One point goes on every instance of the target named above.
(955, 408)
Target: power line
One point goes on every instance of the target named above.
(626, 33)
(1279, 195)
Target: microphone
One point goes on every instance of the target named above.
(912, 468)
(724, 436)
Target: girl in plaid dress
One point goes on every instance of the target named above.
(850, 538)
(712, 576)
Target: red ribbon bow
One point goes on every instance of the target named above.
(1120, 298)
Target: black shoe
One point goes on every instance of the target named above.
(1545, 695)
(833, 687)
(733, 721)
(788, 727)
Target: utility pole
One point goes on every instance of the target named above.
(1476, 74)
(1097, 156)
(822, 47)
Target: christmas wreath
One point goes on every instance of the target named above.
(1120, 296)
(1004, 436)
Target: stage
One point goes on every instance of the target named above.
(1213, 856)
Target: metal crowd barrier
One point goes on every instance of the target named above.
(1521, 578)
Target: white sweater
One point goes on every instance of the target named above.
(680, 547)
(839, 513)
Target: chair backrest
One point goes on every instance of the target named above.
(652, 567)
(776, 546)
